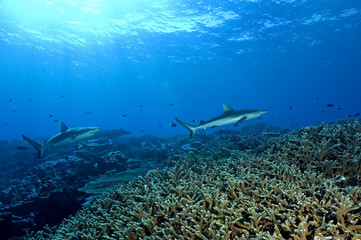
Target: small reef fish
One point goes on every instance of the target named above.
(141, 106)
(317, 97)
(171, 104)
(229, 116)
(330, 105)
(88, 112)
(347, 181)
(66, 136)
(55, 120)
(290, 107)
(339, 108)
(30, 100)
(357, 114)
(21, 148)
(124, 115)
(51, 115)
(142, 131)
(10, 100)
(172, 125)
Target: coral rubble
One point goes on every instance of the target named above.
(285, 189)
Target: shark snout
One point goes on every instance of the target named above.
(263, 112)
(94, 130)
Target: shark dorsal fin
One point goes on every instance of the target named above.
(227, 108)
(63, 127)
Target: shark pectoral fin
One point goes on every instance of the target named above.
(63, 127)
(241, 120)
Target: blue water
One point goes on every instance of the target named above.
(69, 58)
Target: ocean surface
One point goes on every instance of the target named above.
(88, 63)
(130, 67)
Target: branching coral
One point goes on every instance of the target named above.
(334, 149)
(287, 192)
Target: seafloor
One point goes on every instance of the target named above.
(250, 184)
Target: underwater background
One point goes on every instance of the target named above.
(88, 63)
(130, 67)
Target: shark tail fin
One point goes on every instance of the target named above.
(36, 145)
(190, 127)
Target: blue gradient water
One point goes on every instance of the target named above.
(69, 58)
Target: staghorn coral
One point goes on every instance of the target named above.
(334, 149)
(287, 192)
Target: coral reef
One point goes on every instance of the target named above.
(288, 188)
(333, 149)
(45, 191)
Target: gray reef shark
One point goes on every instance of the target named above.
(229, 116)
(66, 136)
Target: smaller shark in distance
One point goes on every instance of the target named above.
(66, 136)
(229, 116)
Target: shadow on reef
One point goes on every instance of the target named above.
(45, 191)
